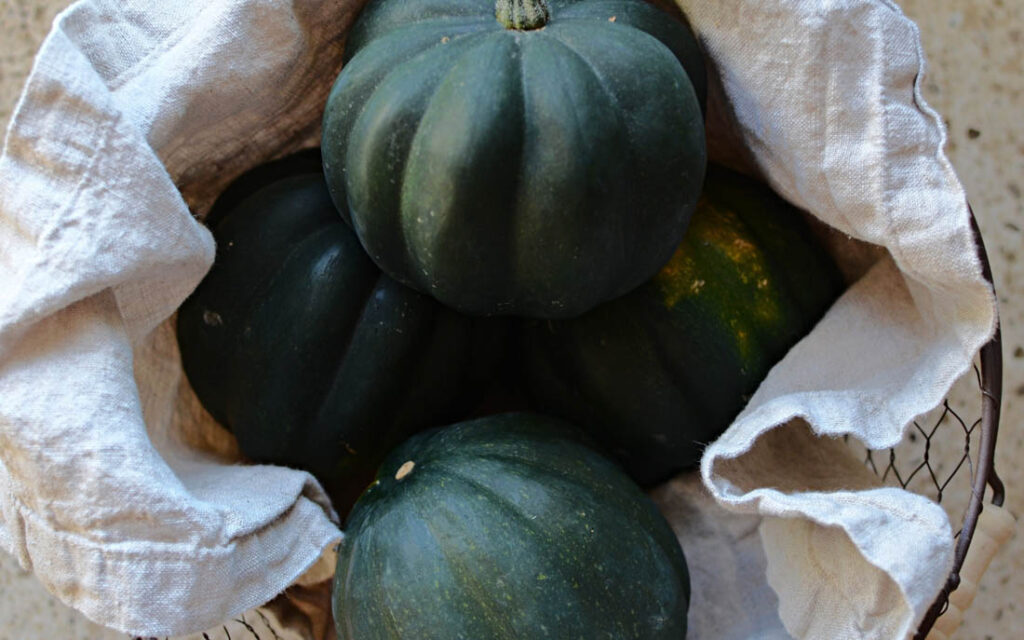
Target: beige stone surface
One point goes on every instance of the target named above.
(976, 80)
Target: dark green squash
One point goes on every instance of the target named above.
(307, 161)
(660, 373)
(310, 355)
(502, 528)
(533, 171)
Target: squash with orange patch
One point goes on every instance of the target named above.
(658, 374)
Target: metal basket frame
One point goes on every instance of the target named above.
(985, 475)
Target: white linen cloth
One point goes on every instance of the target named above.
(120, 493)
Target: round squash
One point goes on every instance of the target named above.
(503, 528)
(660, 373)
(512, 169)
(310, 355)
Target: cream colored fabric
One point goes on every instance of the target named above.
(825, 96)
(103, 491)
(123, 497)
(730, 598)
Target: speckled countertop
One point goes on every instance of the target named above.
(976, 80)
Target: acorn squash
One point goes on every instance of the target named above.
(502, 528)
(310, 355)
(659, 373)
(518, 158)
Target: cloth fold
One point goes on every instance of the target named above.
(825, 98)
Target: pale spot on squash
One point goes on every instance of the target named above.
(212, 319)
(405, 469)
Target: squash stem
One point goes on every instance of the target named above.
(522, 15)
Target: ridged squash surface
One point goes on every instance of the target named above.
(502, 528)
(528, 172)
(659, 373)
(313, 358)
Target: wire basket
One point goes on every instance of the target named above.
(948, 454)
(983, 473)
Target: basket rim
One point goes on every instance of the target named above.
(985, 475)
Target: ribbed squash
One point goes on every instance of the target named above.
(520, 158)
(310, 355)
(503, 528)
(661, 372)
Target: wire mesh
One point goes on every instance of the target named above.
(938, 454)
(934, 459)
(254, 625)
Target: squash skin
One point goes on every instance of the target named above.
(306, 161)
(507, 172)
(660, 373)
(310, 355)
(507, 527)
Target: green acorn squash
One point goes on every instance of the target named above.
(505, 166)
(310, 355)
(502, 528)
(661, 372)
